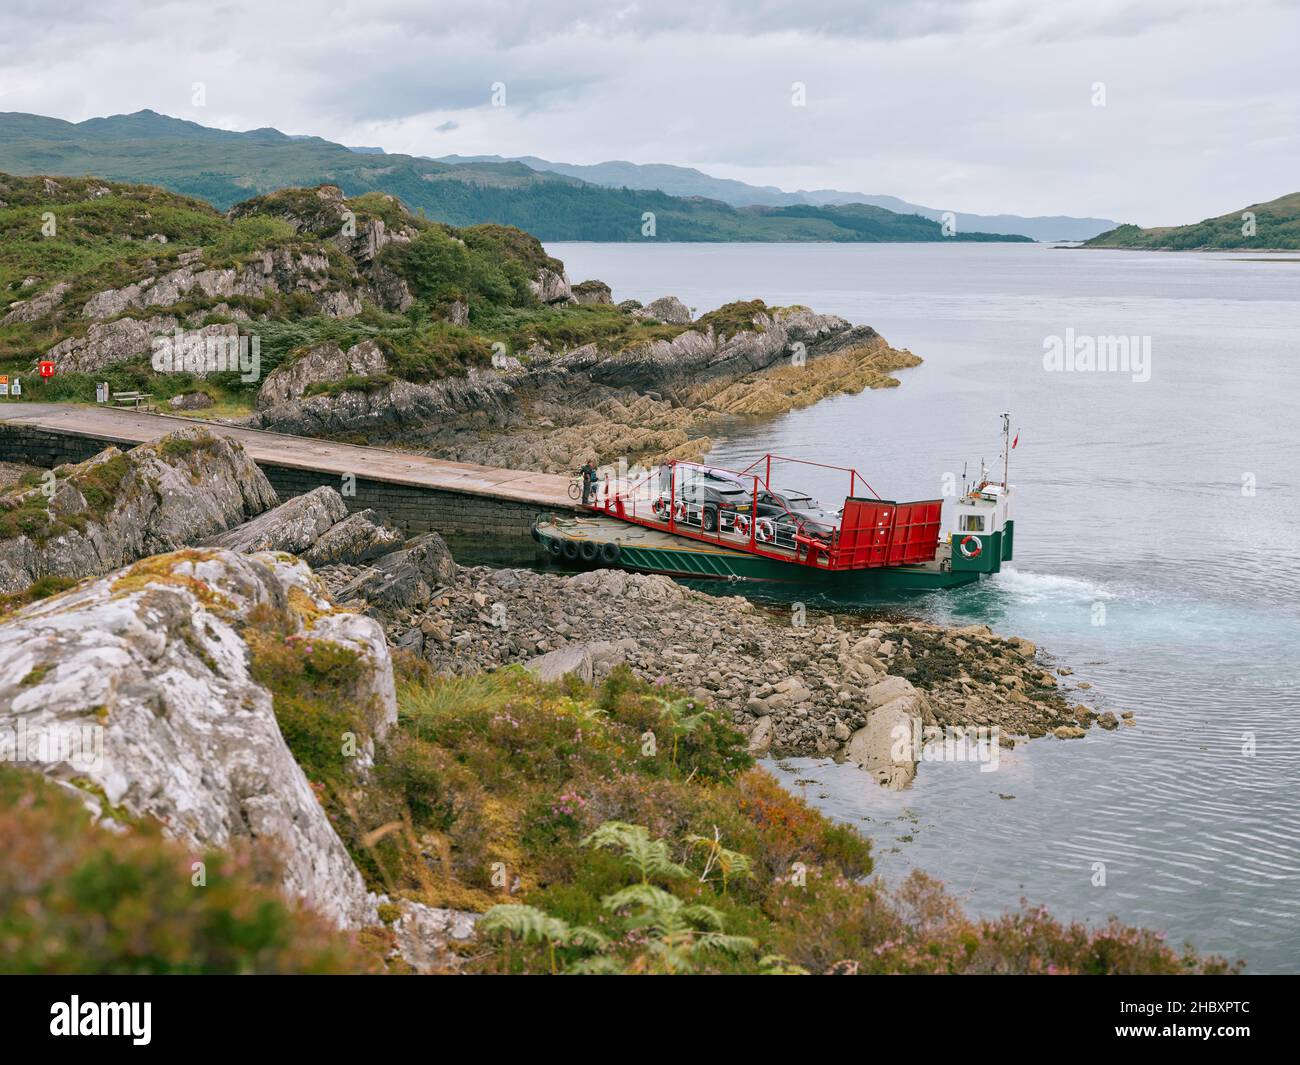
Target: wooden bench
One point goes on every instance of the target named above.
(135, 400)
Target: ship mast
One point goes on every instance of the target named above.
(1006, 449)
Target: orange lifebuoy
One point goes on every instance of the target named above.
(741, 524)
(764, 530)
(966, 552)
(679, 510)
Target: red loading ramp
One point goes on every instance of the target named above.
(878, 532)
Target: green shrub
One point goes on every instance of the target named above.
(76, 898)
(311, 682)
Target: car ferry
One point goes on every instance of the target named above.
(686, 519)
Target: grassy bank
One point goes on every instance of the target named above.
(622, 829)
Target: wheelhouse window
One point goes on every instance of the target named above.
(972, 523)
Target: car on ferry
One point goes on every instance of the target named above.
(784, 513)
(708, 498)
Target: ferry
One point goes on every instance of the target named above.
(686, 519)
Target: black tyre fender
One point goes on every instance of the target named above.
(555, 548)
(570, 550)
(609, 553)
(588, 549)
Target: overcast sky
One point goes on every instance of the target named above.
(976, 105)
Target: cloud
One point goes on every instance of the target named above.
(977, 105)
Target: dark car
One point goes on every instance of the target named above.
(793, 512)
(708, 498)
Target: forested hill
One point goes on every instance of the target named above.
(1259, 227)
(224, 168)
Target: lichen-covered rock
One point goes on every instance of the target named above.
(589, 662)
(119, 506)
(139, 685)
(294, 526)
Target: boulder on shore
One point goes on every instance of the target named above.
(589, 662)
(884, 745)
(358, 538)
(593, 292)
(404, 579)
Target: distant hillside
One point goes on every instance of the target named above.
(1276, 225)
(686, 181)
(224, 168)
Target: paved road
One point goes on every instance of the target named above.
(297, 452)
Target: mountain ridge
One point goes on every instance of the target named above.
(226, 167)
(686, 181)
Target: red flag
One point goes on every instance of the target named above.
(1016, 440)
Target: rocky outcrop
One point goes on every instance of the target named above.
(107, 343)
(119, 506)
(293, 526)
(395, 410)
(703, 356)
(281, 280)
(316, 526)
(139, 687)
(277, 271)
(37, 307)
(326, 214)
(647, 402)
(320, 365)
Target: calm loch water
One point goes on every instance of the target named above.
(1157, 544)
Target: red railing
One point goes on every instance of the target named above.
(871, 533)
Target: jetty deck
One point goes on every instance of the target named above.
(129, 427)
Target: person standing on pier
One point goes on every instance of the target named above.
(588, 472)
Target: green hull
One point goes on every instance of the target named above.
(698, 560)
